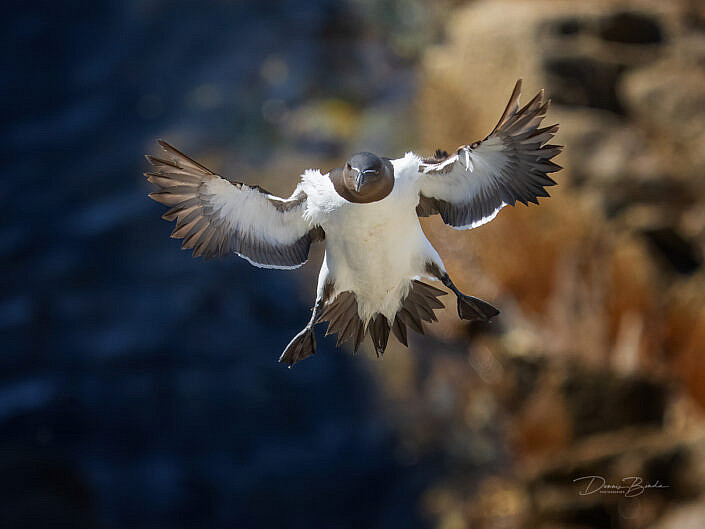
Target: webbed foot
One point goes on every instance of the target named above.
(471, 308)
(301, 346)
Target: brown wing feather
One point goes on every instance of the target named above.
(511, 164)
(205, 208)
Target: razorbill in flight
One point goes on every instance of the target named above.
(367, 215)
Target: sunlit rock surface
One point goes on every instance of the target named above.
(596, 365)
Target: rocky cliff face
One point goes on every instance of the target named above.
(597, 363)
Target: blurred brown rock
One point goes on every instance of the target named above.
(689, 516)
(600, 348)
(628, 86)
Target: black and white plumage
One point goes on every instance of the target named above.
(217, 217)
(512, 163)
(367, 213)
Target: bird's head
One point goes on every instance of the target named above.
(367, 177)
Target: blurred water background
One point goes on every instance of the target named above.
(139, 387)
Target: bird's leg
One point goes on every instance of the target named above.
(469, 307)
(303, 344)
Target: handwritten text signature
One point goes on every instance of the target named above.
(630, 487)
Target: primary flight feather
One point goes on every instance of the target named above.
(367, 214)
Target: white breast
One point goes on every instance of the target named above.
(372, 249)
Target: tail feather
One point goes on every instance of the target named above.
(343, 319)
(399, 329)
(379, 332)
(417, 307)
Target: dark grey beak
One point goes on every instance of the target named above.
(360, 180)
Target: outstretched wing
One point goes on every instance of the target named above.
(216, 217)
(470, 187)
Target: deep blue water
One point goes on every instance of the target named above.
(139, 387)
